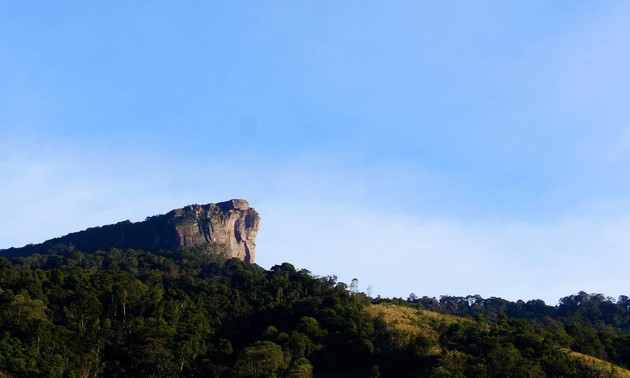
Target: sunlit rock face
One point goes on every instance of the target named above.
(227, 228)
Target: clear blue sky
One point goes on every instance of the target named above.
(473, 147)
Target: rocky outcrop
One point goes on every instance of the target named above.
(226, 228)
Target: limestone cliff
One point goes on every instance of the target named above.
(227, 228)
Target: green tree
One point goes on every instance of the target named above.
(263, 359)
(300, 368)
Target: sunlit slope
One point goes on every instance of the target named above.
(600, 367)
(479, 347)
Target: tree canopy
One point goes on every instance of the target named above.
(186, 313)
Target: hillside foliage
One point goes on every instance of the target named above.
(133, 313)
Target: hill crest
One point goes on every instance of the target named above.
(228, 228)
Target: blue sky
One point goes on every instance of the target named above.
(477, 147)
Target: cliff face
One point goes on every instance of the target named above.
(227, 228)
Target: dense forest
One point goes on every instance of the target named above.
(184, 313)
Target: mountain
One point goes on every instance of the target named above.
(226, 228)
(140, 300)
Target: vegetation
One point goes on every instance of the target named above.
(185, 313)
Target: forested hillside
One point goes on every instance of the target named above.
(139, 314)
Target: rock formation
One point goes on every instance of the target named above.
(227, 228)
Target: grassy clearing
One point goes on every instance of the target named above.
(605, 369)
(409, 327)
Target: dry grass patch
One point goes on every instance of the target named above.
(407, 327)
(604, 368)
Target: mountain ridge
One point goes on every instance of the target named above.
(227, 228)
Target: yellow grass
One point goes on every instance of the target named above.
(407, 326)
(606, 369)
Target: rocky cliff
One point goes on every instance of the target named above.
(227, 228)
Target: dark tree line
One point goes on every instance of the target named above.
(185, 313)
